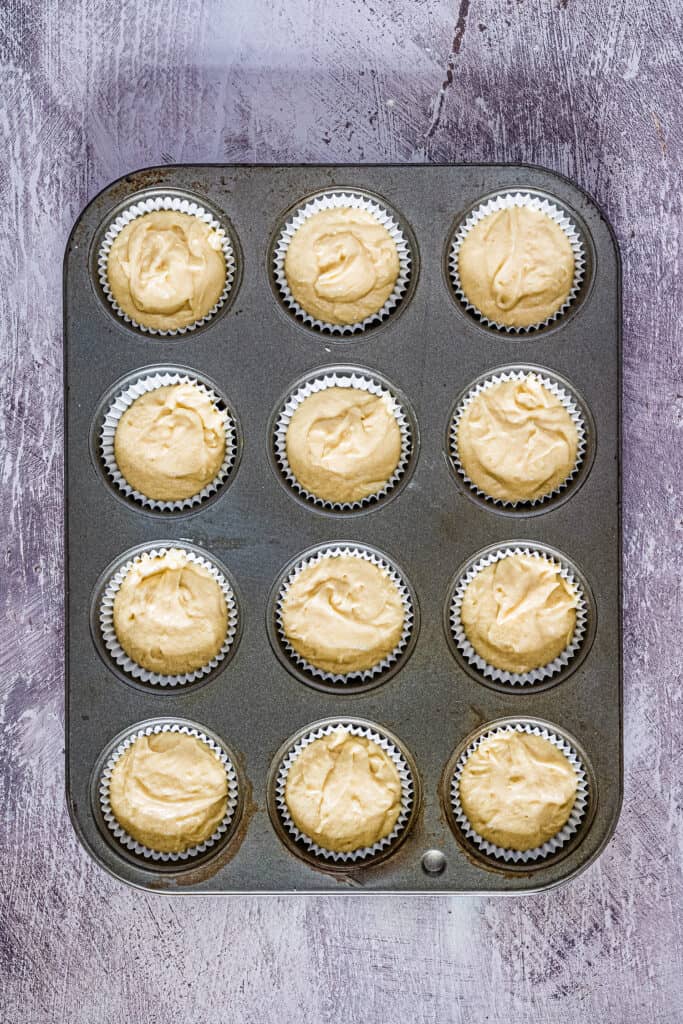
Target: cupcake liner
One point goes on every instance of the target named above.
(407, 794)
(557, 841)
(127, 840)
(333, 200)
(152, 205)
(333, 379)
(502, 202)
(536, 675)
(123, 400)
(360, 675)
(505, 376)
(119, 656)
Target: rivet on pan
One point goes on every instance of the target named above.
(433, 862)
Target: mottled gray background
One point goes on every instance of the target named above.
(92, 89)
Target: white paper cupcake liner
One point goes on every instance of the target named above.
(152, 205)
(536, 675)
(333, 200)
(360, 675)
(322, 382)
(502, 202)
(123, 400)
(127, 840)
(111, 642)
(407, 793)
(505, 376)
(557, 841)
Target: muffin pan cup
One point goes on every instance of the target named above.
(107, 819)
(334, 199)
(254, 353)
(102, 615)
(560, 665)
(122, 401)
(344, 377)
(187, 204)
(507, 200)
(577, 410)
(579, 816)
(359, 679)
(303, 844)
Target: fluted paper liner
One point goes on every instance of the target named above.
(567, 400)
(335, 199)
(359, 675)
(551, 845)
(501, 202)
(122, 402)
(153, 205)
(407, 792)
(139, 848)
(321, 382)
(117, 653)
(535, 675)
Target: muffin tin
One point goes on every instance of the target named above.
(430, 349)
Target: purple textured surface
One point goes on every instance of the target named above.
(92, 89)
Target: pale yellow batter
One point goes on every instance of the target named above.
(343, 444)
(516, 266)
(344, 792)
(341, 265)
(519, 613)
(517, 790)
(170, 614)
(166, 269)
(170, 443)
(343, 614)
(169, 791)
(516, 441)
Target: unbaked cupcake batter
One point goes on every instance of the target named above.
(170, 442)
(517, 790)
(166, 269)
(341, 265)
(344, 792)
(169, 791)
(343, 444)
(516, 440)
(343, 614)
(516, 266)
(170, 614)
(519, 613)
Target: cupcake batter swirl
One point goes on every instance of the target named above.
(517, 790)
(170, 443)
(343, 444)
(516, 266)
(343, 614)
(516, 440)
(166, 269)
(170, 614)
(344, 792)
(341, 265)
(169, 791)
(519, 613)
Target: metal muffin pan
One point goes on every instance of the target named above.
(430, 349)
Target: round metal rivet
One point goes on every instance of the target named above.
(433, 862)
